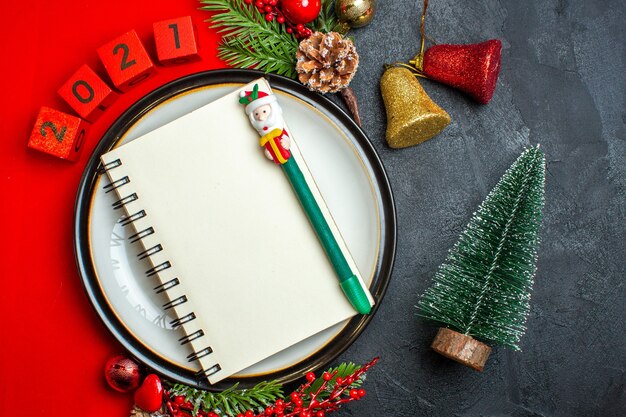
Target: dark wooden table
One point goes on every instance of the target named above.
(561, 85)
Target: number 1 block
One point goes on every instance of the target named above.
(176, 41)
(126, 61)
(87, 93)
(58, 134)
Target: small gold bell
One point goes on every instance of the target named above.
(412, 117)
(354, 13)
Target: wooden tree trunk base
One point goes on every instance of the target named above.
(461, 348)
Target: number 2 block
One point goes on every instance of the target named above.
(126, 61)
(176, 41)
(87, 93)
(58, 134)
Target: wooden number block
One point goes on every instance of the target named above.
(126, 61)
(176, 41)
(87, 93)
(58, 134)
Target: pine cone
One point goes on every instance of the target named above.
(326, 62)
(138, 412)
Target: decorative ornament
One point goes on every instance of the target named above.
(354, 13)
(321, 395)
(317, 397)
(412, 117)
(271, 10)
(122, 373)
(472, 68)
(149, 396)
(253, 36)
(301, 11)
(326, 62)
(482, 290)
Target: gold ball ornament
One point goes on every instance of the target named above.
(412, 117)
(355, 13)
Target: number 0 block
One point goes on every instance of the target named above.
(126, 61)
(87, 93)
(176, 41)
(58, 134)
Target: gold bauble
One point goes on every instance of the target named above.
(355, 13)
(412, 117)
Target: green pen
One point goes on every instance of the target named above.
(266, 116)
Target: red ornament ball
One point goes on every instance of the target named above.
(301, 11)
(122, 373)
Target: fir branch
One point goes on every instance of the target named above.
(316, 394)
(327, 19)
(231, 401)
(250, 41)
(242, 54)
(483, 287)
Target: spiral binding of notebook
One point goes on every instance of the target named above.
(161, 267)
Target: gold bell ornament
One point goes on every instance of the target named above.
(412, 117)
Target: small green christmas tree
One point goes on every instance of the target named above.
(482, 290)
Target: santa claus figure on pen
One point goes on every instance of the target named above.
(266, 117)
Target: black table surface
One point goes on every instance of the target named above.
(561, 85)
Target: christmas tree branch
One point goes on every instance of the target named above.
(231, 401)
(327, 20)
(335, 387)
(241, 54)
(249, 40)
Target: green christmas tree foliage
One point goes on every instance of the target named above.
(250, 41)
(483, 287)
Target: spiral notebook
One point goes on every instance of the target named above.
(226, 237)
